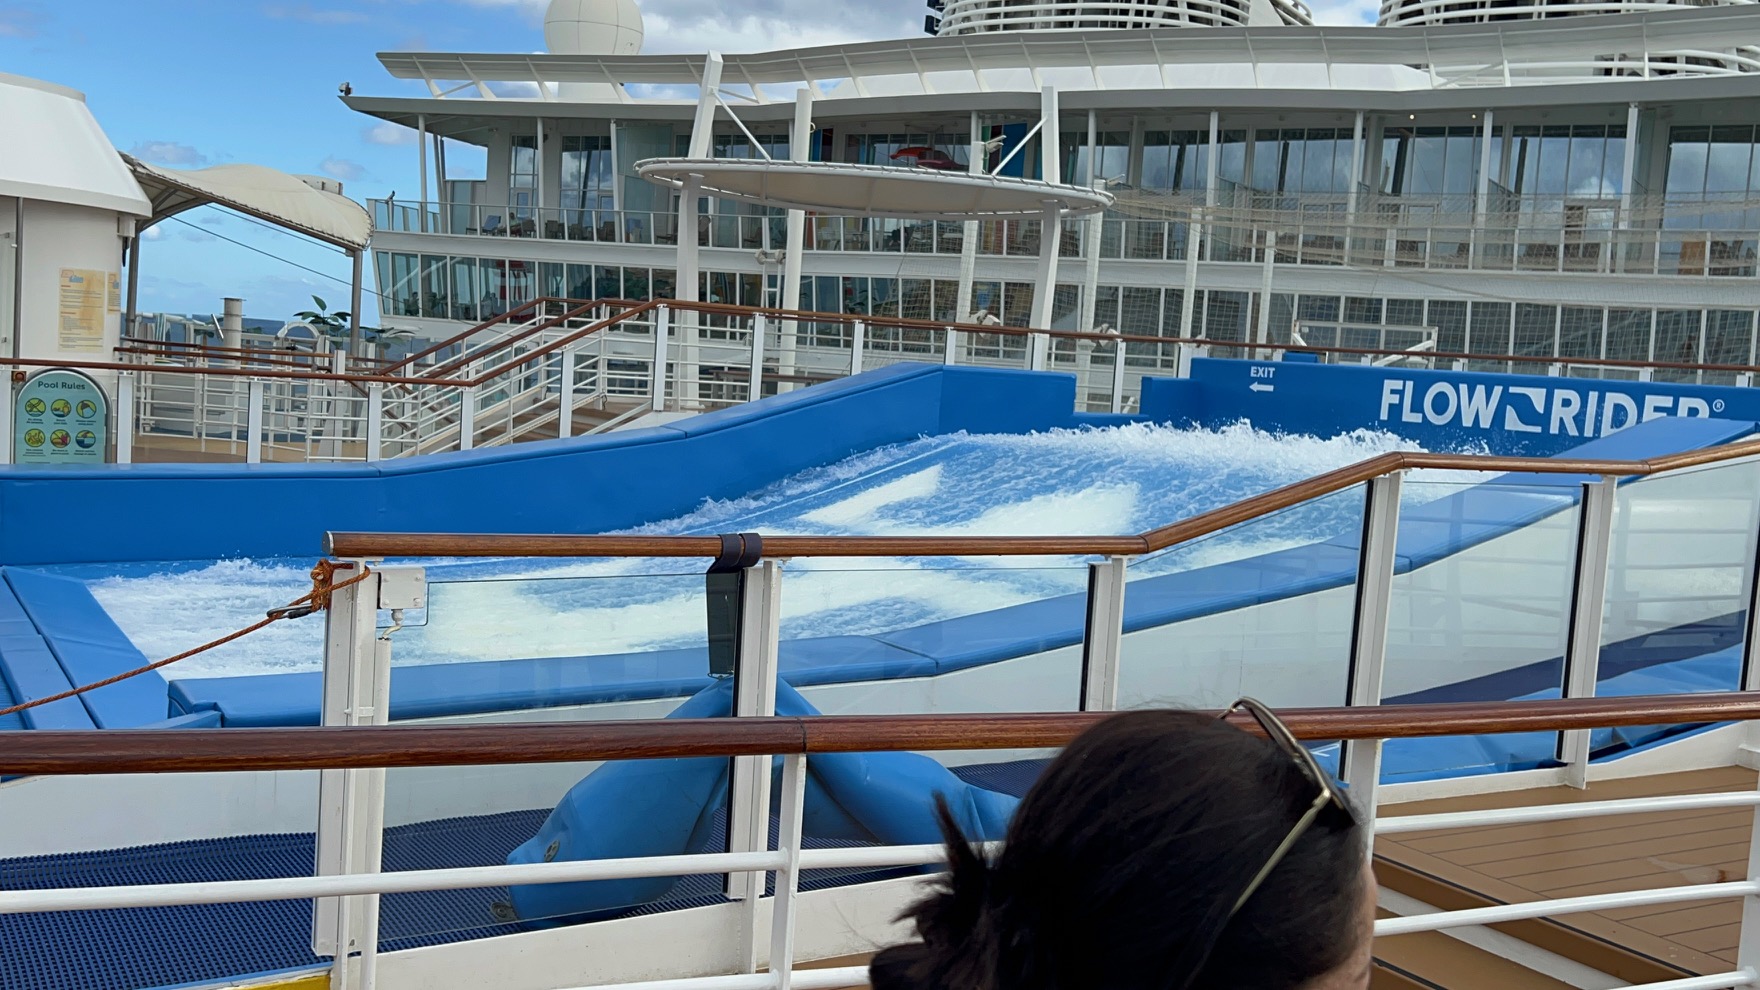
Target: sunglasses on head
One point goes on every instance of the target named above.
(1330, 793)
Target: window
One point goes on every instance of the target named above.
(522, 180)
(588, 176)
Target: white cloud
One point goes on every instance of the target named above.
(152, 233)
(342, 168)
(21, 20)
(168, 153)
(387, 133)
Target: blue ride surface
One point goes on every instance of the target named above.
(636, 808)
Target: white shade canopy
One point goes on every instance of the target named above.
(285, 200)
(872, 190)
(57, 153)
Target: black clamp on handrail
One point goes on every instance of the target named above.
(724, 594)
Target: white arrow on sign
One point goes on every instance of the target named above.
(1257, 387)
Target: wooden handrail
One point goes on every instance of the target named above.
(214, 750)
(369, 545)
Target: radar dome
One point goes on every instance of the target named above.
(593, 27)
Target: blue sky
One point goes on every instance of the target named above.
(188, 83)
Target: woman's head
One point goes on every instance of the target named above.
(1123, 866)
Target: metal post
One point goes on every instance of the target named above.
(968, 245)
(1582, 655)
(657, 384)
(754, 696)
(1050, 225)
(349, 697)
(1213, 158)
(6, 400)
(858, 339)
(1262, 332)
(1103, 641)
(1356, 179)
(1194, 236)
(131, 316)
(1627, 168)
(1360, 760)
(1119, 353)
(253, 418)
(798, 139)
(375, 420)
(787, 898)
(952, 341)
(354, 295)
(755, 385)
(422, 163)
(467, 417)
(1045, 293)
(125, 417)
(565, 393)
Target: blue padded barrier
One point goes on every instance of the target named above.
(28, 670)
(1443, 410)
(88, 647)
(1429, 532)
(636, 808)
(581, 485)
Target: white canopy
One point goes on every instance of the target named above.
(872, 190)
(55, 151)
(290, 201)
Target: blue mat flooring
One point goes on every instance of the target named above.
(136, 948)
(15, 720)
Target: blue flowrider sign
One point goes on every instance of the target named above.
(1529, 414)
(61, 417)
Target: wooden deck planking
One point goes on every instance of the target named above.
(1543, 860)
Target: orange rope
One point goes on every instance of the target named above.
(316, 600)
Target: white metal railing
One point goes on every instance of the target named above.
(1695, 239)
(351, 814)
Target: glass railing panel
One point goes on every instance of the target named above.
(1262, 608)
(500, 642)
(1680, 567)
(929, 636)
(1480, 611)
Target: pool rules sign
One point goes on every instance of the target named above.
(61, 417)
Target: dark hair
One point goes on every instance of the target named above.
(1122, 866)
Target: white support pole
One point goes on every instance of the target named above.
(754, 696)
(786, 906)
(1188, 301)
(1482, 195)
(375, 421)
(968, 245)
(1213, 156)
(1627, 173)
(1050, 227)
(422, 164)
(687, 290)
(657, 383)
(950, 337)
(125, 418)
(467, 418)
(799, 138)
(565, 392)
(253, 420)
(349, 697)
(1360, 760)
(538, 159)
(755, 382)
(1262, 331)
(1103, 644)
(1356, 179)
(1582, 658)
(858, 342)
(1119, 353)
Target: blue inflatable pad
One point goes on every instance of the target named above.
(28, 670)
(88, 647)
(665, 807)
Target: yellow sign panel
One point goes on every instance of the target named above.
(115, 292)
(82, 309)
